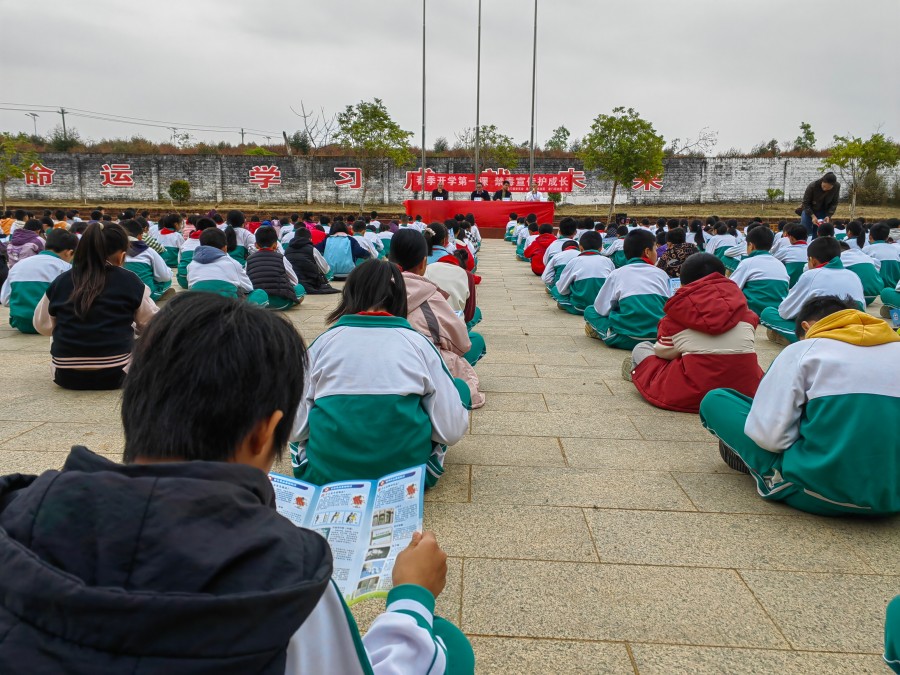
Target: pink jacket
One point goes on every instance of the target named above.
(431, 315)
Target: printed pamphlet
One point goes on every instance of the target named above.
(366, 522)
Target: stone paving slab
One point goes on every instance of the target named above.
(588, 532)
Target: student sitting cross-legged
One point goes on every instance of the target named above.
(820, 434)
(341, 251)
(535, 251)
(568, 231)
(189, 534)
(309, 265)
(450, 275)
(430, 313)
(406, 406)
(868, 270)
(170, 237)
(678, 249)
(557, 264)
(706, 341)
(826, 276)
(29, 279)
(240, 240)
(887, 254)
(212, 270)
(761, 276)
(630, 304)
(584, 275)
(616, 248)
(271, 272)
(525, 239)
(793, 254)
(186, 254)
(92, 312)
(146, 263)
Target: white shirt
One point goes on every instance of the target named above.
(535, 197)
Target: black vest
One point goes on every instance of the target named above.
(303, 260)
(266, 271)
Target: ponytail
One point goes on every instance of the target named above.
(435, 235)
(230, 239)
(98, 243)
(699, 240)
(855, 229)
(234, 219)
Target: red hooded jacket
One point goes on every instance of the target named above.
(536, 251)
(705, 341)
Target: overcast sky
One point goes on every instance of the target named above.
(751, 70)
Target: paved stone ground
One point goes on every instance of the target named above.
(588, 532)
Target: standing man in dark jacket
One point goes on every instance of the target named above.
(819, 203)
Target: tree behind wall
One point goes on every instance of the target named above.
(622, 147)
(367, 131)
(853, 158)
(16, 158)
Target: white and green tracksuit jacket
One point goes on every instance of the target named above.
(630, 304)
(582, 279)
(26, 284)
(554, 267)
(171, 241)
(889, 255)
(794, 258)
(365, 414)
(830, 279)
(763, 279)
(868, 270)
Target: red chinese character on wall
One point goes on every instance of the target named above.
(264, 176)
(116, 175)
(40, 175)
(414, 180)
(350, 177)
(647, 184)
(576, 177)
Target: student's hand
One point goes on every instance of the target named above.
(422, 563)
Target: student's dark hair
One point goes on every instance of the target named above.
(61, 240)
(721, 228)
(818, 307)
(204, 223)
(218, 219)
(797, 232)
(235, 218)
(673, 223)
(95, 215)
(99, 241)
(436, 237)
(462, 255)
(697, 229)
(825, 230)
(339, 227)
(32, 225)
(855, 230)
(571, 243)
(79, 227)
(301, 234)
(546, 228)
(567, 227)
(824, 249)
(376, 284)
(133, 228)
(532, 227)
(622, 230)
(636, 242)
(59, 214)
(46, 221)
(531, 218)
(266, 236)
(20, 214)
(762, 238)
(699, 265)
(359, 226)
(212, 426)
(781, 225)
(661, 237)
(829, 178)
(590, 241)
(880, 232)
(324, 220)
(408, 249)
(676, 236)
(214, 237)
(513, 216)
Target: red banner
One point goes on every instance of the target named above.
(562, 181)
(487, 214)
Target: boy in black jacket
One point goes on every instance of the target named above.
(308, 264)
(270, 271)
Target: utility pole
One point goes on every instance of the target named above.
(533, 82)
(478, 100)
(242, 135)
(423, 99)
(268, 140)
(174, 132)
(33, 117)
(62, 111)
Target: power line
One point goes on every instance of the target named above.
(138, 121)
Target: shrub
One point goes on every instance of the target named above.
(873, 189)
(555, 197)
(259, 152)
(180, 191)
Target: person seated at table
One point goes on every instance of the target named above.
(793, 254)
(440, 192)
(583, 276)
(706, 340)
(826, 276)
(817, 436)
(534, 196)
(761, 276)
(479, 194)
(503, 194)
(630, 303)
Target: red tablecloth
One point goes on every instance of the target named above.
(487, 214)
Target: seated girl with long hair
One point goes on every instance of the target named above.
(365, 414)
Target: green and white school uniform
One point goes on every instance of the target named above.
(889, 296)
(172, 242)
(763, 279)
(555, 248)
(555, 267)
(616, 253)
(524, 241)
(26, 284)
(794, 258)
(867, 269)
(385, 236)
(581, 281)
(246, 246)
(510, 228)
(889, 255)
(829, 279)
(184, 259)
(150, 268)
(364, 415)
(630, 305)
(821, 433)
(212, 271)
